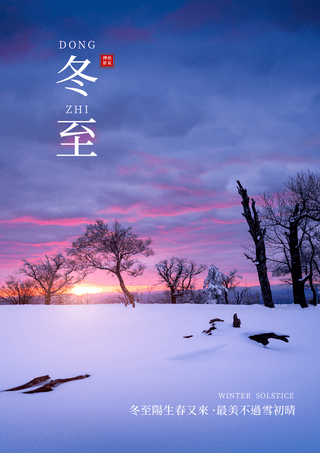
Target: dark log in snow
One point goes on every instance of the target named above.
(188, 336)
(213, 327)
(32, 383)
(215, 320)
(52, 384)
(236, 321)
(263, 338)
(208, 332)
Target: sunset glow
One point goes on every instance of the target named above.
(79, 290)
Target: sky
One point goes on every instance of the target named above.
(201, 94)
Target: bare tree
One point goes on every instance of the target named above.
(257, 233)
(178, 275)
(230, 282)
(17, 292)
(291, 217)
(113, 250)
(54, 275)
(240, 294)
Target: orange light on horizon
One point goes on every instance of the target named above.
(79, 290)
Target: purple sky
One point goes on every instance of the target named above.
(202, 94)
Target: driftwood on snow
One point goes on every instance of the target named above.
(213, 327)
(48, 387)
(32, 383)
(263, 338)
(54, 383)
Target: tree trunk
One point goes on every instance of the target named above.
(257, 234)
(296, 271)
(226, 297)
(47, 299)
(262, 273)
(314, 292)
(127, 293)
(173, 295)
(265, 285)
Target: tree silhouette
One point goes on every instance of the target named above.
(257, 233)
(113, 250)
(17, 292)
(291, 218)
(178, 275)
(54, 275)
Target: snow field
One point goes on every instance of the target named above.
(138, 357)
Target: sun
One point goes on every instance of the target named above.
(92, 289)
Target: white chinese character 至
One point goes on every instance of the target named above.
(146, 410)
(76, 134)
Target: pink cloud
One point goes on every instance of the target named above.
(128, 170)
(29, 219)
(172, 210)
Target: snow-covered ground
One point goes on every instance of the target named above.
(138, 359)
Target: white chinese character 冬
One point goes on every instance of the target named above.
(134, 410)
(77, 72)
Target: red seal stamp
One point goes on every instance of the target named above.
(107, 60)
